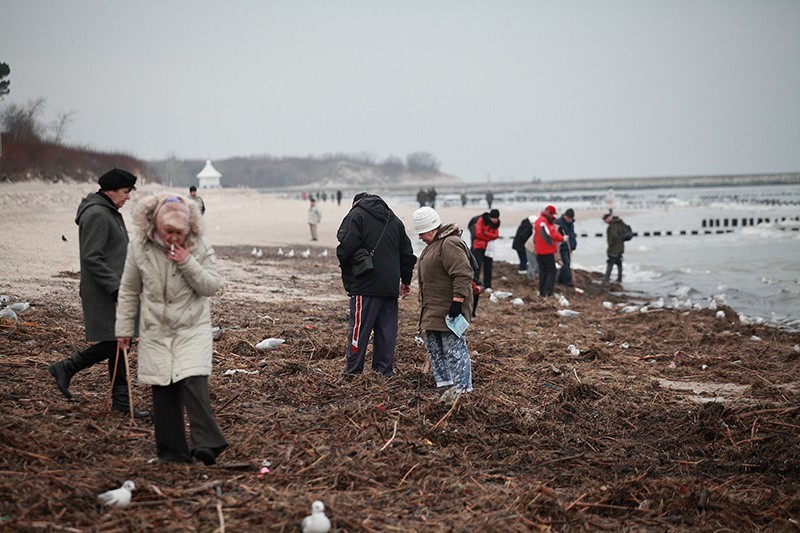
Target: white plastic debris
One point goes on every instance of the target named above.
(517, 301)
(624, 345)
(608, 305)
(720, 314)
(268, 344)
(502, 294)
(629, 309)
(755, 338)
(233, 371)
(120, 497)
(567, 312)
(8, 313)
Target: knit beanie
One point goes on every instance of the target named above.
(425, 219)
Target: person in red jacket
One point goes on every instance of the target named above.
(545, 242)
(487, 229)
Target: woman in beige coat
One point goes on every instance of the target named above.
(445, 287)
(170, 272)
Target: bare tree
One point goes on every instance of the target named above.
(22, 122)
(5, 70)
(60, 124)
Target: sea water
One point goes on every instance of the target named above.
(753, 269)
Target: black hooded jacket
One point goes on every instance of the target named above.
(393, 259)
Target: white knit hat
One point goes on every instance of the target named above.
(425, 219)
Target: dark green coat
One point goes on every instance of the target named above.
(103, 247)
(616, 246)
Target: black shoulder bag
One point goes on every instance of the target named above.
(362, 258)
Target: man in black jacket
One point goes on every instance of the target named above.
(372, 226)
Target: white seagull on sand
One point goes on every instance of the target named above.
(307, 253)
(120, 497)
(316, 522)
(291, 253)
(280, 251)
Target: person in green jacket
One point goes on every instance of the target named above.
(616, 246)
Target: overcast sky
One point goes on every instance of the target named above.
(512, 89)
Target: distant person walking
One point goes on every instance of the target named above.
(463, 199)
(615, 245)
(524, 232)
(487, 230)
(170, 273)
(200, 203)
(432, 197)
(314, 217)
(103, 242)
(445, 290)
(370, 230)
(566, 226)
(338, 197)
(489, 199)
(545, 239)
(609, 199)
(422, 197)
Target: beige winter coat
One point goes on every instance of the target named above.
(175, 322)
(444, 272)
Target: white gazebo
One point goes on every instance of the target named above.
(208, 178)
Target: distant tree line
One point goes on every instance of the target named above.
(268, 171)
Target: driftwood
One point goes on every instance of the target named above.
(600, 445)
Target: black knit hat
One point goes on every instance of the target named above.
(116, 179)
(570, 213)
(494, 213)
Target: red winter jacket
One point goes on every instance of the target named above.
(485, 231)
(545, 235)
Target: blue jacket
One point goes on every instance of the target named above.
(568, 231)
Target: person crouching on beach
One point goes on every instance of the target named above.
(445, 290)
(170, 271)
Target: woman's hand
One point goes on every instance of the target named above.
(179, 253)
(123, 343)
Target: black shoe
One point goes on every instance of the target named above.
(170, 457)
(120, 402)
(127, 411)
(206, 455)
(63, 371)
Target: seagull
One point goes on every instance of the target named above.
(629, 309)
(120, 497)
(8, 313)
(562, 301)
(517, 301)
(567, 312)
(253, 252)
(658, 304)
(502, 294)
(307, 253)
(608, 305)
(323, 253)
(573, 350)
(316, 522)
(493, 298)
(63, 238)
(280, 251)
(19, 307)
(270, 343)
(291, 253)
(5, 299)
(259, 254)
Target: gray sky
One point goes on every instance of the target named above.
(508, 88)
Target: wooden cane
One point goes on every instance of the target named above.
(113, 377)
(130, 395)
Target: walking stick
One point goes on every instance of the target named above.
(113, 377)
(130, 394)
(572, 271)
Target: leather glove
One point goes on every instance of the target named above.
(455, 309)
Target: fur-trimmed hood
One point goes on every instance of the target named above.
(146, 208)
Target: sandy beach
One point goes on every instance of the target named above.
(611, 416)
